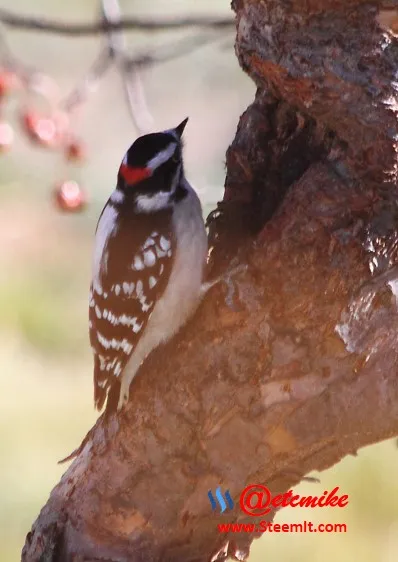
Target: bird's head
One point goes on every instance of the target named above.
(152, 169)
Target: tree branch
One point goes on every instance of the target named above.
(129, 65)
(130, 73)
(81, 91)
(32, 23)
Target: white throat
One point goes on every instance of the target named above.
(159, 200)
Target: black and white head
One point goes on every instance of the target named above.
(151, 172)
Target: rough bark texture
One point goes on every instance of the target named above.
(297, 366)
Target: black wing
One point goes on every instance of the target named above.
(134, 270)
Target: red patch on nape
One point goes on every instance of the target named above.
(134, 175)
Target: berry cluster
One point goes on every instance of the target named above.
(50, 129)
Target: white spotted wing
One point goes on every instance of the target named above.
(131, 273)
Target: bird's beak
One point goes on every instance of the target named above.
(180, 128)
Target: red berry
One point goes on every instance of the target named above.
(6, 136)
(39, 129)
(75, 151)
(8, 81)
(48, 131)
(69, 196)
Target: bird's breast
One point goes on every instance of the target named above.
(182, 294)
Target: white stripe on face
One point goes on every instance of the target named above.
(162, 156)
(161, 199)
(173, 133)
(153, 203)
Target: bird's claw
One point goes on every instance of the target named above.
(225, 278)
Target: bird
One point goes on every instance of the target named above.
(149, 262)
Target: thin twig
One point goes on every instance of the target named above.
(132, 84)
(133, 64)
(111, 16)
(112, 25)
(38, 23)
(174, 50)
(9, 60)
(82, 90)
(136, 100)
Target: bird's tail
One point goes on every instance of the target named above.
(80, 448)
(112, 398)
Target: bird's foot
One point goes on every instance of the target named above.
(227, 279)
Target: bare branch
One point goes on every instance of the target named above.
(115, 52)
(173, 50)
(38, 23)
(132, 84)
(111, 16)
(135, 96)
(9, 60)
(90, 81)
(164, 53)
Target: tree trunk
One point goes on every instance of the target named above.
(294, 364)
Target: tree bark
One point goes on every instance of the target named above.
(293, 365)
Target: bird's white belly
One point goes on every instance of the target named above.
(183, 292)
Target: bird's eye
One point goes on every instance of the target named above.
(175, 158)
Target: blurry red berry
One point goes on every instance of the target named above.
(40, 129)
(8, 81)
(6, 136)
(69, 196)
(75, 151)
(48, 131)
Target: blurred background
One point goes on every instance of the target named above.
(46, 402)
